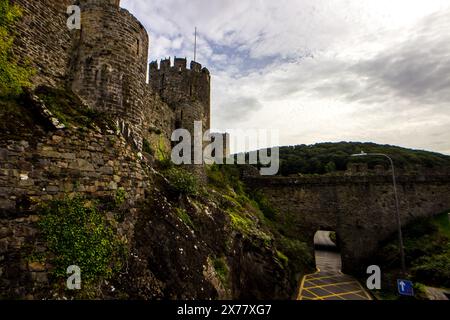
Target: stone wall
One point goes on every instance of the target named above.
(68, 162)
(105, 63)
(361, 209)
(44, 40)
(159, 122)
(110, 64)
(186, 91)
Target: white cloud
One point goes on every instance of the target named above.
(318, 70)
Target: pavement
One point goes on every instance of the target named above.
(329, 283)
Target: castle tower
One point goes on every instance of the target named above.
(186, 91)
(110, 65)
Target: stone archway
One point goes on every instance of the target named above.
(327, 252)
(360, 208)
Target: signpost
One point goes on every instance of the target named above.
(405, 288)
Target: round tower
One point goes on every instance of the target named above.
(109, 67)
(186, 91)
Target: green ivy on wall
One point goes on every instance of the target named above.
(77, 233)
(13, 76)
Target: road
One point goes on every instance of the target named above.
(323, 240)
(329, 283)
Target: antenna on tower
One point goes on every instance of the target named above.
(195, 45)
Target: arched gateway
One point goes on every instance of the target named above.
(360, 208)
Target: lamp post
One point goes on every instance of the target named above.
(397, 206)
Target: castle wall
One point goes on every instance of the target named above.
(105, 63)
(111, 64)
(186, 91)
(68, 162)
(159, 123)
(44, 40)
(360, 208)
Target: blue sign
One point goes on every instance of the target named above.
(405, 288)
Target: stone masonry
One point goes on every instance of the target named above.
(105, 63)
(359, 207)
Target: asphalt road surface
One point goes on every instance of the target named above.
(329, 283)
(323, 240)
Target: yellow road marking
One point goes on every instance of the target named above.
(360, 293)
(312, 293)
(331, 284)
(321, 278)
(301, 289)
(319, 296)
(339, 295)
(365, 292)
(306, 290)
(303, 282)
(357, 294)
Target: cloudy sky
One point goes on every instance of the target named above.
(317, 70)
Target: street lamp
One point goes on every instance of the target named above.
(397, 207)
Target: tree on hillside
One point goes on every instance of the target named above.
(324, 158)
(13, 76)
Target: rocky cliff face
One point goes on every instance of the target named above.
(179, 245)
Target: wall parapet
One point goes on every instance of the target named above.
(345, 180)
(179, 64)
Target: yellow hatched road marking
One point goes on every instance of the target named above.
(321, 278)
(301, 289)
(306, 290)
(339, 295)
(360, 293)
(317, 295)
(364, 291)
(332, 284)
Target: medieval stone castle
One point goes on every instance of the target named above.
(105, 64)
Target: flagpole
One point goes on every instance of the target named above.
(195, 45)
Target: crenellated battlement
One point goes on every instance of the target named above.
(186, 91)
(179, 64)
(177, 83)
(105, 64)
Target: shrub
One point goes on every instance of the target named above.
(297, 252)
(333, 237)
(162, 153)
(222, 270)
(77, 234)
(264, 205)
(434, 269)
(182, 181)
(427, 249)
(147, 148)
(225, 176)
(120, 197)
(242, 224)
(283, 259)
(184, 216)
